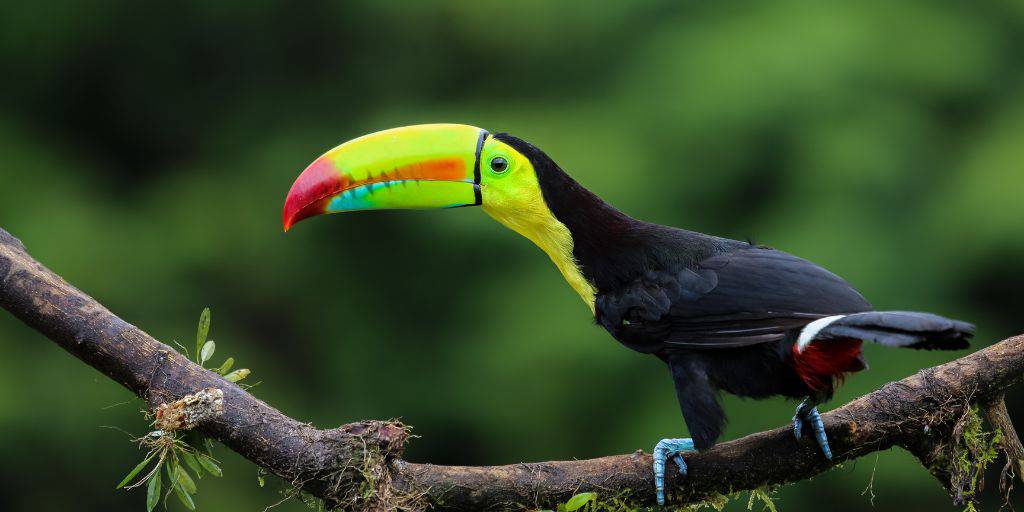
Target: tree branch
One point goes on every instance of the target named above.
(918, 413)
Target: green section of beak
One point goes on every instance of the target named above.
(414, 167)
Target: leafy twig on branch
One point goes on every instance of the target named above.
(359, 465)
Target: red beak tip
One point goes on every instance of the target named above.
(287, 221)
(311, 191)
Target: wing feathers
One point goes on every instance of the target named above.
(748, 296)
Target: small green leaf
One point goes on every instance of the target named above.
(190, 459)
(209, 465)
(209, 445)
(184, 497)
(580, 500)
(208, 349)
(153, 491)
(182, 478)
(237, 375)
(131, 474)
(224, 368)
(259, 477)
(203, 331)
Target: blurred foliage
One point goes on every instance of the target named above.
(147, 149)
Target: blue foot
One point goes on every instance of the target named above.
(809, 413)
(663, 450)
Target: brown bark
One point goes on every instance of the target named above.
(917, 413)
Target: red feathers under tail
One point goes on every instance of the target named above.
(824, 362)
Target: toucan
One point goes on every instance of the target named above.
(724, 315)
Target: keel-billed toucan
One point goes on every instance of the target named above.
(724, 315)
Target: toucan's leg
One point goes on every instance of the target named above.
(663, 450)
(808, 411)
(704, 417)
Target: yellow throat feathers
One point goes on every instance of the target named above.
(539, 225)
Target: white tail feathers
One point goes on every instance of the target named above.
(811, 330)
(890, 328)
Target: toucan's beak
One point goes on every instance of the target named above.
(423, 166)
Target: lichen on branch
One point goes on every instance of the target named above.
(189, 411)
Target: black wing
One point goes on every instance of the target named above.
(744, 297)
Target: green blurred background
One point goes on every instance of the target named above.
(147, 149)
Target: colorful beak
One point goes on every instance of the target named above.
(414, 167)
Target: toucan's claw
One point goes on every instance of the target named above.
(681, 463)
(665, 449)
(807, 412)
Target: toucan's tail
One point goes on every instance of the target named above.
(829, 347)
(890, 328)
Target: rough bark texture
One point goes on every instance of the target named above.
(917, 413)
(328, 462)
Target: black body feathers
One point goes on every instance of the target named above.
(724, 314)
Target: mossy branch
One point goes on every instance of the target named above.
(358, 465)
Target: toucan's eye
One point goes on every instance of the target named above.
(499, 164)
